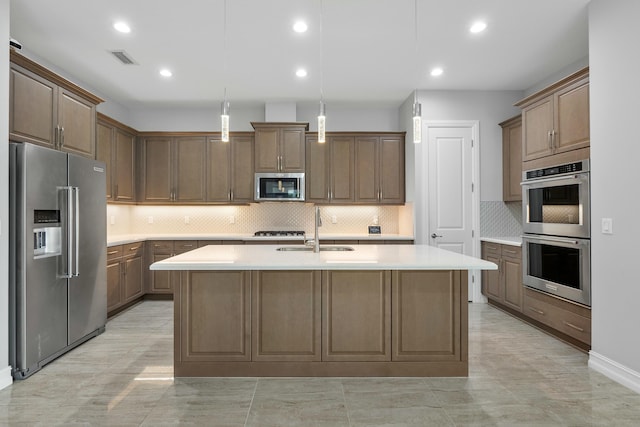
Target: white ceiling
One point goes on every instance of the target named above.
(368, 47)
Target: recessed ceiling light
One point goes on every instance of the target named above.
(478, 27)
(300, 27)
(122, 27)
(301, 72)
(166, 72)
(437, 72)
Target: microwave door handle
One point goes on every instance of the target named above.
(550, 179)
(551, 239)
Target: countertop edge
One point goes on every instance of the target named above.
(508, 240)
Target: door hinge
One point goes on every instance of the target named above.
(472, 187)
(473, 233)
(472, 143)
(473, 278)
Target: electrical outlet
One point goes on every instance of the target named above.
(187, 220)
(112, 220)
(375, 220)
(607, 226)
(334, 219)
(150, 220)
(232, 219)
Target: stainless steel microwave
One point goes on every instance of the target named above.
(279, 187)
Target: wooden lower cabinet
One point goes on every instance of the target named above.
(321, 323)
(125, 276)
(503, 285)
(162, 281)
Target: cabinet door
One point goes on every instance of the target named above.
(512, 274)
(292, 150)
(491, 279)
(537, 123)
(317, 174)
(190, 158)
(115, 295)
(512, 161)
(161, 280)
(391, 170)
(286, 315)
(33, 108)
(133, 278)
(218, 173)
(426, 316)
(124, 166)
(77, 118)
(267, 150)
(341, 165)
(242, 178)
(357, 315)
(366, 180)
(572, 117)
(156, 164)
(105, 153)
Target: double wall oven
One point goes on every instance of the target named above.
(556, 246)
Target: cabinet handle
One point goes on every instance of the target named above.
(135, 248)
(549, 140)
(553, 138)
(509, 251)
(571, 325)
(540, 312)
(61, 137)
(112, 252)
(231, 195)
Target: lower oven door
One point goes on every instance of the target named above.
(558, 265)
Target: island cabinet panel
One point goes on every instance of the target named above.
(357, 316)
(426, 316)
(216, 310)
(286, 309)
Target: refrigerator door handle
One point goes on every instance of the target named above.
(76, 231)
(68, 262)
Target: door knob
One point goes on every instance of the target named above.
(434, 235)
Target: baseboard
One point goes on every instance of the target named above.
(614, 370)
(5, 377)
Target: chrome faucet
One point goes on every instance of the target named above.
(316, 238)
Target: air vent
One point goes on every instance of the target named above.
(123, 57)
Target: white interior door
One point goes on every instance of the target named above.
(452, 199)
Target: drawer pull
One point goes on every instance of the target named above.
(535, 310)
(187, 246)
(510, 251)
(112, 252)
(134, 248)
(571, 325)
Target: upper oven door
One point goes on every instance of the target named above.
(557, 206)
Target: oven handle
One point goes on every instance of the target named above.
(551, 239)
(550, 179)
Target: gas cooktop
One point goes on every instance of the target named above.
(277, 233)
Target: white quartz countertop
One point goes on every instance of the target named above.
(506, 240)
(363, 257)
(123, 239)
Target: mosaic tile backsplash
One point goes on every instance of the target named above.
(248, 219)
(500, 219)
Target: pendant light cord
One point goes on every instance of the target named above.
(321, 55)
(224, 50)
(415, 47)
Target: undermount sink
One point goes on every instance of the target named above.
(310, 249)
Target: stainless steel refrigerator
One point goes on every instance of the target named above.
(57, 270)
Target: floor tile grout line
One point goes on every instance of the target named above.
(344, 397)
(255, 388)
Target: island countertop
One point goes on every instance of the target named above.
(363, 257)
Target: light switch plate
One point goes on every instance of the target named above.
(334, 219)
(607, 226)
(150, 220)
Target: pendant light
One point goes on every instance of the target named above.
(224, 108)
(417, 108)
(321, 113)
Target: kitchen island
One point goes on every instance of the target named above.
(376, 310)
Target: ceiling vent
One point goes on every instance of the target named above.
(123, 57)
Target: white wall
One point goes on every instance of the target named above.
(615, 152)
(5, 369)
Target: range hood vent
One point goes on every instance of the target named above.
(123, 57)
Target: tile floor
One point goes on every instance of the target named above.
(518, 376)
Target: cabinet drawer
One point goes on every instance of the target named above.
(181, 246)
(114, 252)
(514, 252)
(558, 314)
(491, 248)
(133, 249)
(161, 246)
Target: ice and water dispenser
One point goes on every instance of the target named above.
(47, 233)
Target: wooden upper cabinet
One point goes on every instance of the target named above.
(379, 169)
(48, 110)
(330, 169)
(317, 170)
(173, 169)
(556, 119)
(280, 147)
(116, 147)
(512, 159)
(230, 169)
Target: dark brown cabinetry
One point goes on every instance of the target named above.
(279, 147)
(173, 169)
(512, 159)
(555, 120)
(47, 110)
(330, 169)
(379, 169)
(163, 281)
(116, 147)
(230, 169)
(503, 285)
(125, 275)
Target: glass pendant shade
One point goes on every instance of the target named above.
(321, 124)
(417, 123)
(224, 121)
